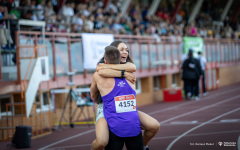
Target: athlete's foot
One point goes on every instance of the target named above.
(146, 148)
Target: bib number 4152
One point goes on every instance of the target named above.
(125, 103)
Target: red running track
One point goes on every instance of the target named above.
(212, 123)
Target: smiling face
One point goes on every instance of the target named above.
(122, 47)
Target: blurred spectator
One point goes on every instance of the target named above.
(191, 74)
(99, 12)
(203, 32)
(113, 5)
(142, 29)
(30, 15)
(98, 23)
(7, 15)
(228, 31)
(179, 17)
(110, 13)
(100, 3)
(210, 32)
(144, 13)
(78, 21)
(203, 62)
(116, 26)
(7, 4)
(49, 13)
(193, 29)
(55, 5)
(87, 96)
(89, 23)
(127, 25)
(171, 36)
(29, 8)
(136, 31)
(163, 14)
(40, 11)
(157, 37)
(67, 12)
(163, 28)
(217, 34)
(3, 13)
(109, 23)
(178, 35)
(15, 13)
(87, 11)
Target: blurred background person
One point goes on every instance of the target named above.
(203, 62)
(191, 74)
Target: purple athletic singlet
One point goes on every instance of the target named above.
(120, 110)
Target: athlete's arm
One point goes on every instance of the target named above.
(94, 89)
(129, 67)
(114, 70)
(110, 73)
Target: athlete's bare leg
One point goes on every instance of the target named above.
(102, 135)
(149, 125)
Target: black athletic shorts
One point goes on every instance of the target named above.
(117, 143)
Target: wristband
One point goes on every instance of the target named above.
(122, 74)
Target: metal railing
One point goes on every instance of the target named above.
(66, 52)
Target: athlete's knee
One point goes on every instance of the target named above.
(102, 142)
(155, 126)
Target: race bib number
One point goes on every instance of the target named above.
(125, 103)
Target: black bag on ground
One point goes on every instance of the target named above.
(22, 137)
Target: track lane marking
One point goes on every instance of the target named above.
(169, 124)
(198, 134)
(185, 133)
(176, 106)
(66, 139)
(73, 146)
(230, 120)
(203, 108)
(184, 122)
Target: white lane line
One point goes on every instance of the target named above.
(73, 146)
(194, 135)
(66, 139)
(197, 110)
(187, 103)
(212, 123)
(185, 133)
(184, 122)
(230, 120)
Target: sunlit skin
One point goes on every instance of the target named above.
(122, 47)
